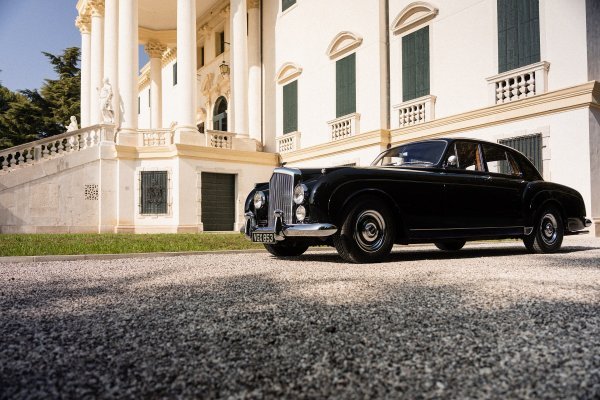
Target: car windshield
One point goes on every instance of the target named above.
(413, 154)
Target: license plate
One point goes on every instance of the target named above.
(263, 237)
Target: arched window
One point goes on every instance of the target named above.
(220, 114)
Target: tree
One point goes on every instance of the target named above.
(31, 114)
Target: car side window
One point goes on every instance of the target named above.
(499, 161)
(468, 156)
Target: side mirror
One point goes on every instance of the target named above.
(452, 161)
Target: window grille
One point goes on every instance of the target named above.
(154, 188)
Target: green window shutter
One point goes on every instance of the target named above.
(345, 86)
(285, 4)
(415, 64)
(518, 33)
(290, 107)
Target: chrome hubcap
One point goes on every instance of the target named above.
(549, 229)
(369, 230)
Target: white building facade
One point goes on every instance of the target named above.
(234, 88)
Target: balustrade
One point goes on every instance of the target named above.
(156, 137)
(288, 142)
(219, 139)
(520, 83)
(344, 127)
(416, 111)
(55, 146)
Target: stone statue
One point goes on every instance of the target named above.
(106, 95)
(73, 125)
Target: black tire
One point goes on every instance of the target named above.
(286, 249)
(451, 245)
(548, 232)
(367, 234)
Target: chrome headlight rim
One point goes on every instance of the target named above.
(300, 193)
(259, 200)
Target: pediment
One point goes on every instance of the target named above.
(287, 72)
(343, 43)
(413, 15)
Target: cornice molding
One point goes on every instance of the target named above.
(343, 43)
(169, 55)
(412, 16)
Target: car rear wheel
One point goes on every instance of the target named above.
(367, 234)
(548, 232)
(286, 249)
(450, 245)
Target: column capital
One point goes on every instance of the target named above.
(83, 22)
(155, 49)
(96, 8)
(253, 4)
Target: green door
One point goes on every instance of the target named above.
(218, 201)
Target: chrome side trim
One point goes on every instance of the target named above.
(478, 227)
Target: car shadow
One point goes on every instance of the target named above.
(410, 254)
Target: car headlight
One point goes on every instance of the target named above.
(300, 213)
(299, 191)
(259, 200)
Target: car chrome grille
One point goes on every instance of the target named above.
(281, 190)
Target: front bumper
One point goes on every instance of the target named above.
(577, 224)
(283, 231)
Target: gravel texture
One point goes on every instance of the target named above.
(490, 321)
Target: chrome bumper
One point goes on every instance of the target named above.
(577, 224)
(283, 231)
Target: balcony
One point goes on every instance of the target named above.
(416, 111)
(288, 142)
(344, 127)
(519, 83)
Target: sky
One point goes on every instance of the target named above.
(28, 27)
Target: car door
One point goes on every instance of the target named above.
(504, 184)
(466, 203)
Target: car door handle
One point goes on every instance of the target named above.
(487, 178)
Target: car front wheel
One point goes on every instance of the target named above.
(367, 233)
(548, 233)
(286, 249)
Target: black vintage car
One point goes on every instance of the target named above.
(442, 191)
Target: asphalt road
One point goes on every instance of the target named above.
(488, 322)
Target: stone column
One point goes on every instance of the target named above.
(83, 23)
(97, 11)
(128, 71)
(111, 50)
(254, 70)
(239, 68)
(186, 131)
(155, 50)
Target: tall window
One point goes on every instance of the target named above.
(415, 64)
(285, 4)
(345, 86)
(220, 115)
(220, 42)
(174, 74)
(153, 192)
(290, 107)
(200, 60)
(518, 33)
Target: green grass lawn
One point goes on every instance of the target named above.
(55, 244)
